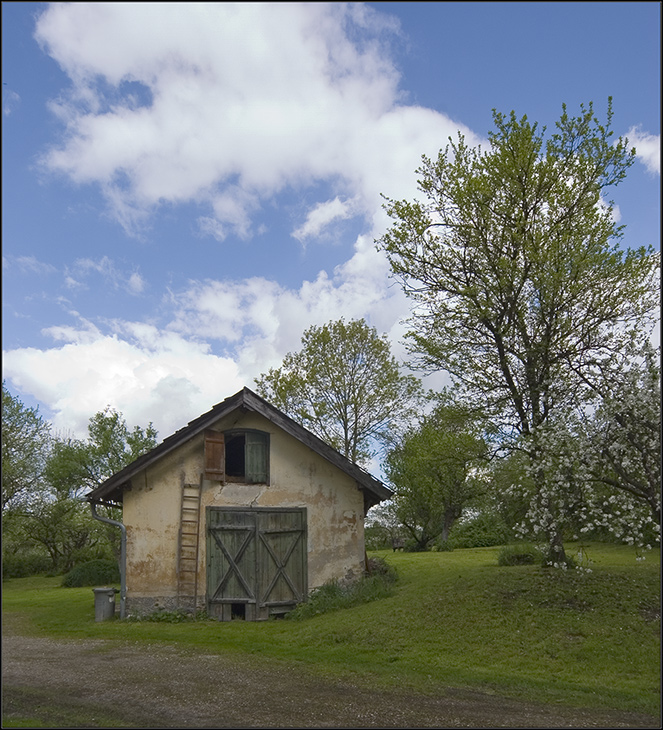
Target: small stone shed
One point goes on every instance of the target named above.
(240, 513)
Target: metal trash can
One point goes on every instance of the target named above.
(104, 603)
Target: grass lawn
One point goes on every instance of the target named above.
(456, 619)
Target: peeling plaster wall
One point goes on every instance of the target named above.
(298, 478)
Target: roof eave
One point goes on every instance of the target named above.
(248, 399)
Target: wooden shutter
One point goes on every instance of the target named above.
(215, 456)
(257, 457)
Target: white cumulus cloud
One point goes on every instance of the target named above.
(148, 375)
(227, 104)
(647, 148)
(321, 216)
(223, 106)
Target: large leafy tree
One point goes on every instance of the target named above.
(436, 471)
(63, 527)
(77, 466)
(26, 440)
(44, 477)
(522, 291)
(345, 386)
(26, 444)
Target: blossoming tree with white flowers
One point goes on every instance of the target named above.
(624, 436)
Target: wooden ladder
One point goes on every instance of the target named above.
(189, 540)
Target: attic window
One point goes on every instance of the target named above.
(237, 456)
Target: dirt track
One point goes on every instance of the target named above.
(101, 683)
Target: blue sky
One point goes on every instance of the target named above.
(186, 187)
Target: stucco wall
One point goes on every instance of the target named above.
(298, 478)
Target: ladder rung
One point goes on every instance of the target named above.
(189, 540)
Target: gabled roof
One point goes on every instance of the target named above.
(112, 489)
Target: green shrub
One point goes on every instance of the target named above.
(92, 573)
(88, 554)
(380, 567)
(485, 530)
(379, 582)
(442, 546)
(412, 546)
(24, 564)
(522, 553)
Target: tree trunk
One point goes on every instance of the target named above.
(451, 514)
(556, 553)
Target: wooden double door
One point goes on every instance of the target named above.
(256, 561)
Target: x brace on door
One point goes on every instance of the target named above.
(280, 565)
(233, 560)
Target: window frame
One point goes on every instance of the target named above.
(255, 441)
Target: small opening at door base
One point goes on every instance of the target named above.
(238, 611)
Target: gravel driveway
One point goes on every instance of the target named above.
(104, 683)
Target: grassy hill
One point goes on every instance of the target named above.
(456, 619)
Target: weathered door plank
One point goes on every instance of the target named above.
(268, 562)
